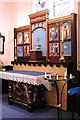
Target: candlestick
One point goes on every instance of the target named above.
(62, 47)
(15, 42)
(62, 52)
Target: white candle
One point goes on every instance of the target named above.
(65, 75)
(62, 36)
(50, 76)
(57, 77)
(15, 42)
(70, 76)
(45, 75)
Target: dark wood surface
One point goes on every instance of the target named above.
(35, 55)
(30, 96)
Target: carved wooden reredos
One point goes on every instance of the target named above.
(55, 38)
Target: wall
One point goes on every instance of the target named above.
(12, 15)
(15, 14)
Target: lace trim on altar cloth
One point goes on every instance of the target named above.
(34, 80)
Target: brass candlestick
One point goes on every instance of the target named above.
(62, 51)
(62, 47)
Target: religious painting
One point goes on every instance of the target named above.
(65, 31)
(67, 48)
(20, 51)
(26, 37)
(53, 30)
(26, 50)
(19, 38)
(54, 49)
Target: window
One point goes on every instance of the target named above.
(57, 8)
(61, 8)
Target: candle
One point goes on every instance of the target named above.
(62, 36)
(15, 42)
(45, 75)
(65, 75)
(50, 76)
(57, 77)
(70, 76)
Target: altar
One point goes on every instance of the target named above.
(26, 87)
(56, 54)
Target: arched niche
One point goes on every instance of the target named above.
(39, 38)
(38, 31)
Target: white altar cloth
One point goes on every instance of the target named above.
(30, 79)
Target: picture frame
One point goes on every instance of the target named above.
(26, 37)
(54, 49)
(2, 39)
(65, 28)
(26, 50)
(19, 38)
(19, 51)
(67, 48)
(53, 30)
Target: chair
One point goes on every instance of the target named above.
(73, 91)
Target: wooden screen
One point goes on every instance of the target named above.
(61, 38)
(21, 42)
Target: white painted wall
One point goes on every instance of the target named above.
(12, 15)
(7, 16)
(15, 14)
